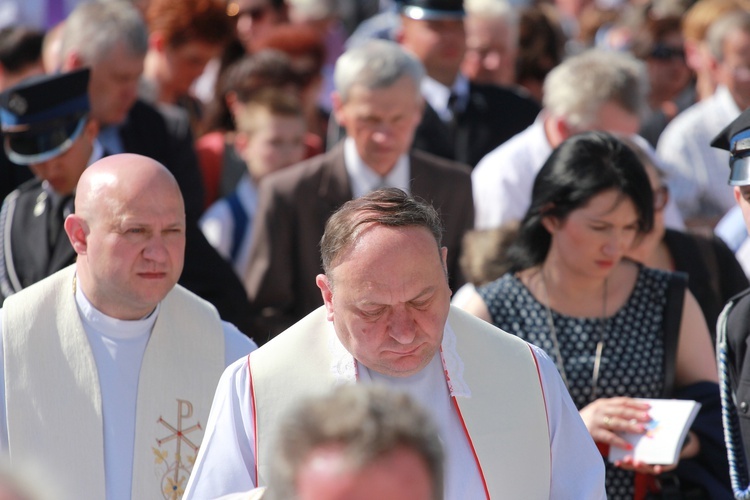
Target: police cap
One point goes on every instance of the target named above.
(433, 9)
(41, 117)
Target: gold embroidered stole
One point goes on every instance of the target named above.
(181, 367)
(53, 397)
(504, 417)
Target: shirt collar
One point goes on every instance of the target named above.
(363, 179)
(437, 95)
(95, 320)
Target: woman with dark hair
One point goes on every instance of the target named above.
(616, 330)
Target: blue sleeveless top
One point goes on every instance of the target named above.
(632, 362)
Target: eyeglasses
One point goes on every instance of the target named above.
(663, 52)
(661, 196)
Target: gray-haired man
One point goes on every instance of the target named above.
(377, 100)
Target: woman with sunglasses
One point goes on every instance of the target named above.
(602, 318)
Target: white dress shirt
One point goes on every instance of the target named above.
(503, 180)
(364, 180)
(218, 222)
(438, 96)
(698, 173)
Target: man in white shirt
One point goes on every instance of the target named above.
(595, 90)
(387, 320)
(113, 364)
(697, 171)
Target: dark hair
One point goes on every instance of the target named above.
(580, 168)
(20, 47)
(389, 207)
(251, 73)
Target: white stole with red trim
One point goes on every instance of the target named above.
(502, 406)
(53, 397)
(497, 392)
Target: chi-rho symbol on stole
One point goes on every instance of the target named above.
(175, 471)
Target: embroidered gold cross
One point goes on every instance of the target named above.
(184, 411)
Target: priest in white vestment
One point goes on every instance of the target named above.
(507, 423)
(108, 367)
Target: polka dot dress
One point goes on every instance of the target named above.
(632, 360)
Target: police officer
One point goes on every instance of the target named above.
(46, 125)
(733, 329)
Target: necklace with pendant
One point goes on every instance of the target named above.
(556, 343)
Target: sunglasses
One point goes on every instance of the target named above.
(663, 52)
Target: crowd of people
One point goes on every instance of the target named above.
(517, 218)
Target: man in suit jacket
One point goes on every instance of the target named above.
(377, 100)
(463, 120)
(112, 39)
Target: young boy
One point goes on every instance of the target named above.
(270, 136)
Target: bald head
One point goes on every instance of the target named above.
(129, 233)
(125, 174)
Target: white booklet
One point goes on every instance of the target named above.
(662, 442)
